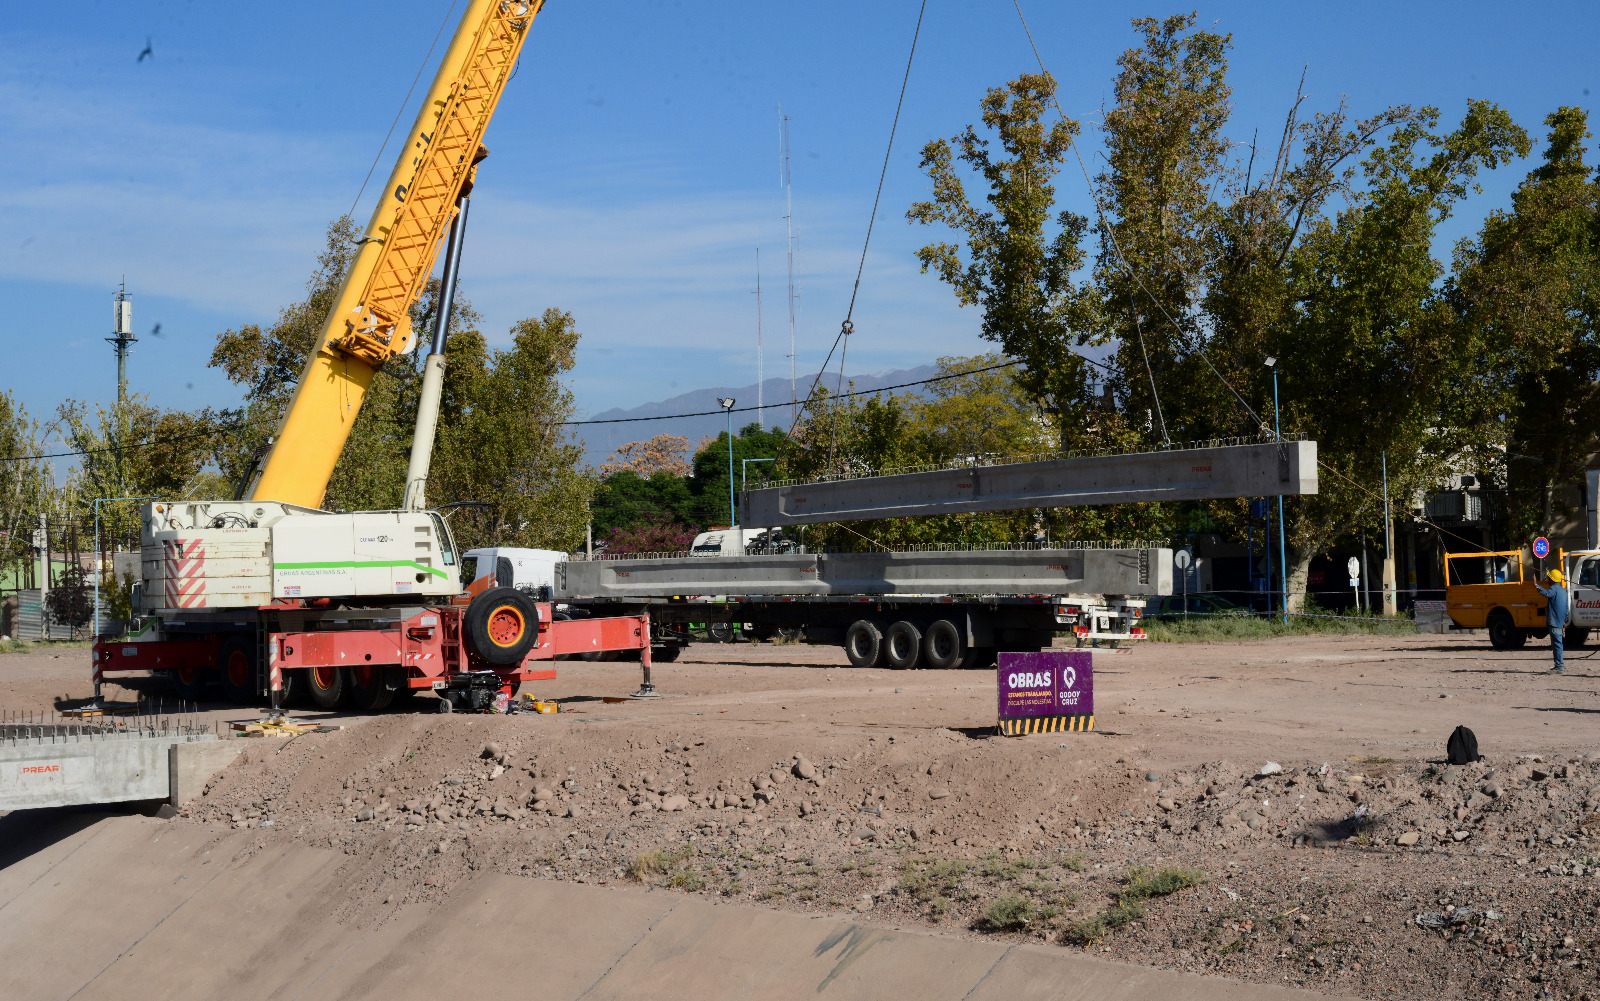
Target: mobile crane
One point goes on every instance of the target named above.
(268, 594)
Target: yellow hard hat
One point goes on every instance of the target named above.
(1555, 575)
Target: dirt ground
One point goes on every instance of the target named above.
(777, 774)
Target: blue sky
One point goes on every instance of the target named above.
(634, 169)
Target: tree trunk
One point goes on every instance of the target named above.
(1299, 571)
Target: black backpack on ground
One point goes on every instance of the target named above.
(1462, 747)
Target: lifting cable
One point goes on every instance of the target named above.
(436, 36)
(1116, 249)
(848, 326)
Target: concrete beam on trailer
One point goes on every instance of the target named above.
(1141, 572)
(1288, 468)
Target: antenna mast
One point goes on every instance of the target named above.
(760, 385)
(787, 180)
(122, 336)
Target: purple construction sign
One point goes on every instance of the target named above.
(1046, 692)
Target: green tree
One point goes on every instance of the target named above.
(135, 449)
(1165, 155)
(25, 483)
(1017, 272)
(708, 483)
(502, 440)
(1528, 291)
(1371, 356)
(626, 501)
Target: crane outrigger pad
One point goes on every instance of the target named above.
(1286, 468)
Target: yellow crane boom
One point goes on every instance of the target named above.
(369, 322)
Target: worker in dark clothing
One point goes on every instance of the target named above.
(1555, 616)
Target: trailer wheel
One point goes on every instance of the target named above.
(236, 671)
(325, 686)
(863, 644)
(1503, 632)
(722, 632)
(1576, 639)
(943, 646)
(664, 654)
(187, 682)
(902, 646)
(370, 688)
(502, 625)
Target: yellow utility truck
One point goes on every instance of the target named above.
(1495, 591)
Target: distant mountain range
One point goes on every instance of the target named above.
(600, 440)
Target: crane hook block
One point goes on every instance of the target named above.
(374, 338)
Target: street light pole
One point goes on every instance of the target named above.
(727, 404)
(1283, 552)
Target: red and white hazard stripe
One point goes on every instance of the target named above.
(186, 573)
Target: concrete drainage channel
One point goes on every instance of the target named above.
(56, 761)
(127, 908)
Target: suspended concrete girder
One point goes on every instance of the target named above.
(1261, 470)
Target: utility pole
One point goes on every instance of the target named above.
(122, 336)
(1391, 604)
(1283, 552)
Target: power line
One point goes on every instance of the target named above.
(859, 392)
(241, 424)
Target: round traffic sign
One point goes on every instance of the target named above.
(1354, 566)
(1182, 559)
(1541, 547)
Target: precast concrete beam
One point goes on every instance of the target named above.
(1132, 572)
(1288, 468)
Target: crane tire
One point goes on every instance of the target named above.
(325, 686)
(236, 671)
(502, 625)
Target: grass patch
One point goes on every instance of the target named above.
(667, 862)
(924, 884)
(42, 646)
(1229, 627)
(995, 867)
(1128, 902)
(1013, 913)
(1076, 862)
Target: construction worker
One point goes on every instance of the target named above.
(1555, 616)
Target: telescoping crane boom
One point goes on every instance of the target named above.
(369, 322)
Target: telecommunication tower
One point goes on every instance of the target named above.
(122, 336)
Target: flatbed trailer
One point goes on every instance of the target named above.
(938, 608)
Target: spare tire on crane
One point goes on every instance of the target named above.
(502, 625)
